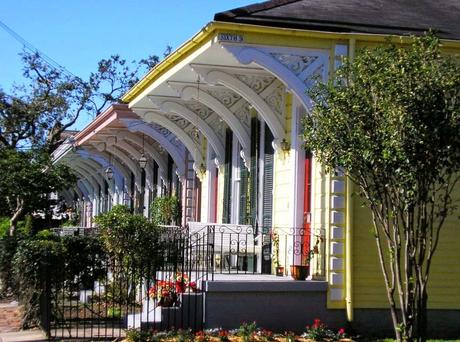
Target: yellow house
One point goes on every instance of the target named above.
(219, 121)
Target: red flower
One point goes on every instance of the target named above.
(341, 331)
(316, 323)
(180, 287)
(223, 333)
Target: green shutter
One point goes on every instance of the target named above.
(227, 176)
(254, 180)
(267, 205)
(268, 180)
(244, 202)
(142, 198)
(155, 180)
(170, 174)
(133, 193)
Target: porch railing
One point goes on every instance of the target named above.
(68, 231)
(243, 249)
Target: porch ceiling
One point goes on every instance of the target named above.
(212, 90)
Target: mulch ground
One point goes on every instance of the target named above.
(10, 316)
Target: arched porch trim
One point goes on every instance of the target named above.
(176, 155)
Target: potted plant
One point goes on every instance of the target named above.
(166, 210)
(302, 271)
(279, 270)
(166, 292)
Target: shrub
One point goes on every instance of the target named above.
(129, 237)
(42, 263)
(4, 226)
(85, 257)
(8, 247)
(36, 261)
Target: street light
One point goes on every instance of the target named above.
(109, 173)
(143, 159)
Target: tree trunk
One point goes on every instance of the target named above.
(422, 316)
(13, 225)
(15, 218)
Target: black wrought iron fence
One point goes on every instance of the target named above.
(244, 249)
(166, 290)
(115, 294)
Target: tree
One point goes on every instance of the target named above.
(53, 100)
(391, 120)
(34, 116)
(26, 179)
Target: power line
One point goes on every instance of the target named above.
(29, 46)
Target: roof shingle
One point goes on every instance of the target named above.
(394, 17)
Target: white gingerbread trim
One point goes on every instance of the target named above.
(195, 151)
(214, 76)
(202, 125)
(235, 125)
(265, 57)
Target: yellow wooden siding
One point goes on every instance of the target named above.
(368, 285)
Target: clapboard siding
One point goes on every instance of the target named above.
(368, 285)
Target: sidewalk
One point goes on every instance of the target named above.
(23, 336)
(10, 323)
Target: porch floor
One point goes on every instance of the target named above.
(248, 277)
(261, 283)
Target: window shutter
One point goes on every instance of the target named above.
(155, 179)
(267, 204)
(253, 183)
(268, 180)
(133, 193)
(243, 203)
(170, 175)
(227, 176)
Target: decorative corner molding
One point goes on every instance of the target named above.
(218, 162)
(244, 155)
(179, 175)
(200, 170)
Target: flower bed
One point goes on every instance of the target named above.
(247, 332)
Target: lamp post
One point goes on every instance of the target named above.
(142, 161)
(108, 170)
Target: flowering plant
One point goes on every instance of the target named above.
(201, 336)
(223, 335)
(165, 292)
(319, 331)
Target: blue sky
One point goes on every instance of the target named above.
(78, 33)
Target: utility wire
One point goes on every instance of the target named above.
(29, 46)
